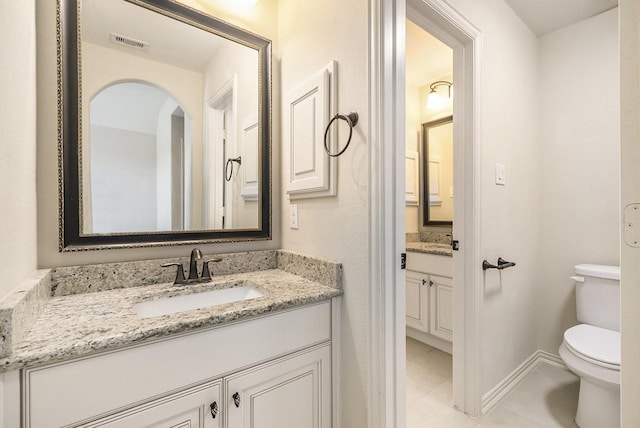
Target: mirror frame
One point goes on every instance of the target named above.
(70, 138)
(425, 172)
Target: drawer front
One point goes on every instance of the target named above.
(189, 408)
(430, 263)
(69, 392)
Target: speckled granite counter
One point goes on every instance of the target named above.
(75, 325)
(430, 248)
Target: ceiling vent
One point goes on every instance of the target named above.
(129, 42)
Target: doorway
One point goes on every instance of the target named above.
(429, 225)
(220, 145)
(446, 25)
(388, 320)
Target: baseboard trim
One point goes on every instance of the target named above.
(498, 392)
(433, 341)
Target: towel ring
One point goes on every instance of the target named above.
(228, 172)
(352, 120)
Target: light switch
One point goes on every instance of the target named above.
(294, 216)
(501, 174)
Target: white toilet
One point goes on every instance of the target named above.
(592, 349)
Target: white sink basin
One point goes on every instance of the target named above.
(205, 299)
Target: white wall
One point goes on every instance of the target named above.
(260, 20)
(413, 141)
(311, 34)
(18, 227)
(579, 164)
(123, 179)
(509, 214)
(630, 173)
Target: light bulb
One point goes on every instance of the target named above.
(434, 101)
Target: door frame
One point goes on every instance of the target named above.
(224, 99)
(386, 204)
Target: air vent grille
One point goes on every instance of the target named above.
(129, 42)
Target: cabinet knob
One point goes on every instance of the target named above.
(214, 409)
(430, 283)
(236, 399)
(424, 281)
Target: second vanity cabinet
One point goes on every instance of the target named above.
(270, 371)
(429, 299)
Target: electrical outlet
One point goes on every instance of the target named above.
(293, 223)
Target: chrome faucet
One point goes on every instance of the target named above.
(205, 276)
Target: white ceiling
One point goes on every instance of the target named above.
(545, 16)
(428, 59)
(170, 40)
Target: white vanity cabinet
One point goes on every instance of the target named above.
(429, 299)
(278, 365)
(287, 392)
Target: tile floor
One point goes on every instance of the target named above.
(546, 397)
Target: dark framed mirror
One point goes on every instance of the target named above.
(437, 176)
(164, 126)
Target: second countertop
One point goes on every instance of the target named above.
(430, 248)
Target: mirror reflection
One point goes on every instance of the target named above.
(437, 149)
(154, 157)
(172, 114)
(140, 148)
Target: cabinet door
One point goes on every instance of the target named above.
(294, 391)
(441, 307)
(196, 407)
(417, 301)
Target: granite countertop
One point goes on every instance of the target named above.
(75, 325)
(430, 248)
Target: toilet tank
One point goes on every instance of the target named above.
(598, 295)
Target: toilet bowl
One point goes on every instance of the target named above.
(592, 349)
(593, 353)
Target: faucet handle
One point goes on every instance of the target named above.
(205, 267)
(179, 273)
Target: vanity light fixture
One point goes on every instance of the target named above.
(435, 100)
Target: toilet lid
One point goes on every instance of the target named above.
(596, 343)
